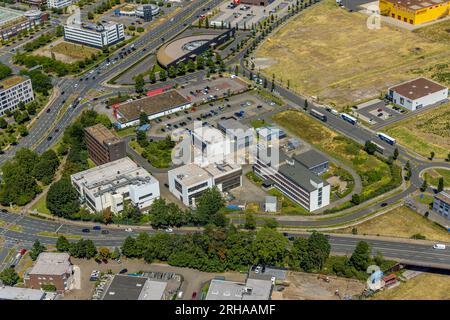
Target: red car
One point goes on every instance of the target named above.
(22, 251)
(194, 295)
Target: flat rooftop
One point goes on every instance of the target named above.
(192, 174)
(151, 105)
(253, 289)
(52, 263)
(14, 293)
(112, 175)
(443, 196)
(311, 158)
(11, 81)
(7, 15)
(417, 88)
(415, 4)
(125, 287)
(300, 175)
(232, 124)
(102, 134)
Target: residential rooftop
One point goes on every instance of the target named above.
(130, 111)
(11, 81)
(124, 287)
(52, 263)
(417, 88)
(311, 158)
(102, 134)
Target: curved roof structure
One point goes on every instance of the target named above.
(177, 48)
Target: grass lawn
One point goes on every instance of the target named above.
(40, 205)
(91, 163)
(74, 51)
(57, 235)
(330, 53)
(426, 286)
(258, 123)
(375, 174)
(426, 199)
(425, 132)
(287, 205)
(401, 222)
(126, 132)
(158, 153)
(433, 175)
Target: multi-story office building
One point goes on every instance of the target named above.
(313, 161)
(441, 204)
(110, 184)
(13, 90)
(94, 35)
(57, 4)
(241, 136)
(188, 182)
(50, 268)
(294, 180)
(103, 145)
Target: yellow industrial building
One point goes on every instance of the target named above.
(415, 11)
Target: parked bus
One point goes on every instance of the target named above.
(378, 148)
(318, 115)
(386, 138)
(348, 118)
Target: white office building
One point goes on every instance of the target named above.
(58, 4)
(417, 93)
(110, 184)
(188, 182)
(94, 35)
(13, 90)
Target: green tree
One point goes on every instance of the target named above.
(370, 147)
(305, 106)
(440, 186)
(5, 71)
(141, 138)
(62, 199)
(356, 199)
(9, 277)
(139, 83)
(250, 222)
(36, 250)
(172, 72)
(299, 253)
(129, 248)
(143, 118)
(152, 76)
(46, 167)
(62, 244)
(269, 247)
(271, 223)
(209, 203)
(90, 15)
(395, 153)
(432, 154)
(163, 75)
(318, 252)
(3, 123)
(424, 185)
(408, 171)
(360, 258)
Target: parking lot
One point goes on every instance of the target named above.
(377, 112)
(243, 15)
(240, 107)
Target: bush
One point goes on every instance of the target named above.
(418, 236)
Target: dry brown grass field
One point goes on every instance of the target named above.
(401, 222)
(425, 132)
(67, 52)
(330, 53)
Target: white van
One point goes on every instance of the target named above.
(439, 246)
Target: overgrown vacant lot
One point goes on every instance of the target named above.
(425, 132)
(401, 222)
(426, 286)
(330, 53)
(375, 174)
(67, 52)
(433, 175)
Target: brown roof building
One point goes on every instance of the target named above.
(417, 93)
(51, 268)
(103, 145)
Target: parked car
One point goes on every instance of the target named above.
(169, 230)
(105, 232)
(96, 228)
(86, 230)
(123, 271)
(129, 230)
(384, 204)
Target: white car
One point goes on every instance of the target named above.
(169, 230)
(129, 230)
(439, 246)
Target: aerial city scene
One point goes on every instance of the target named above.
(229, 150)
